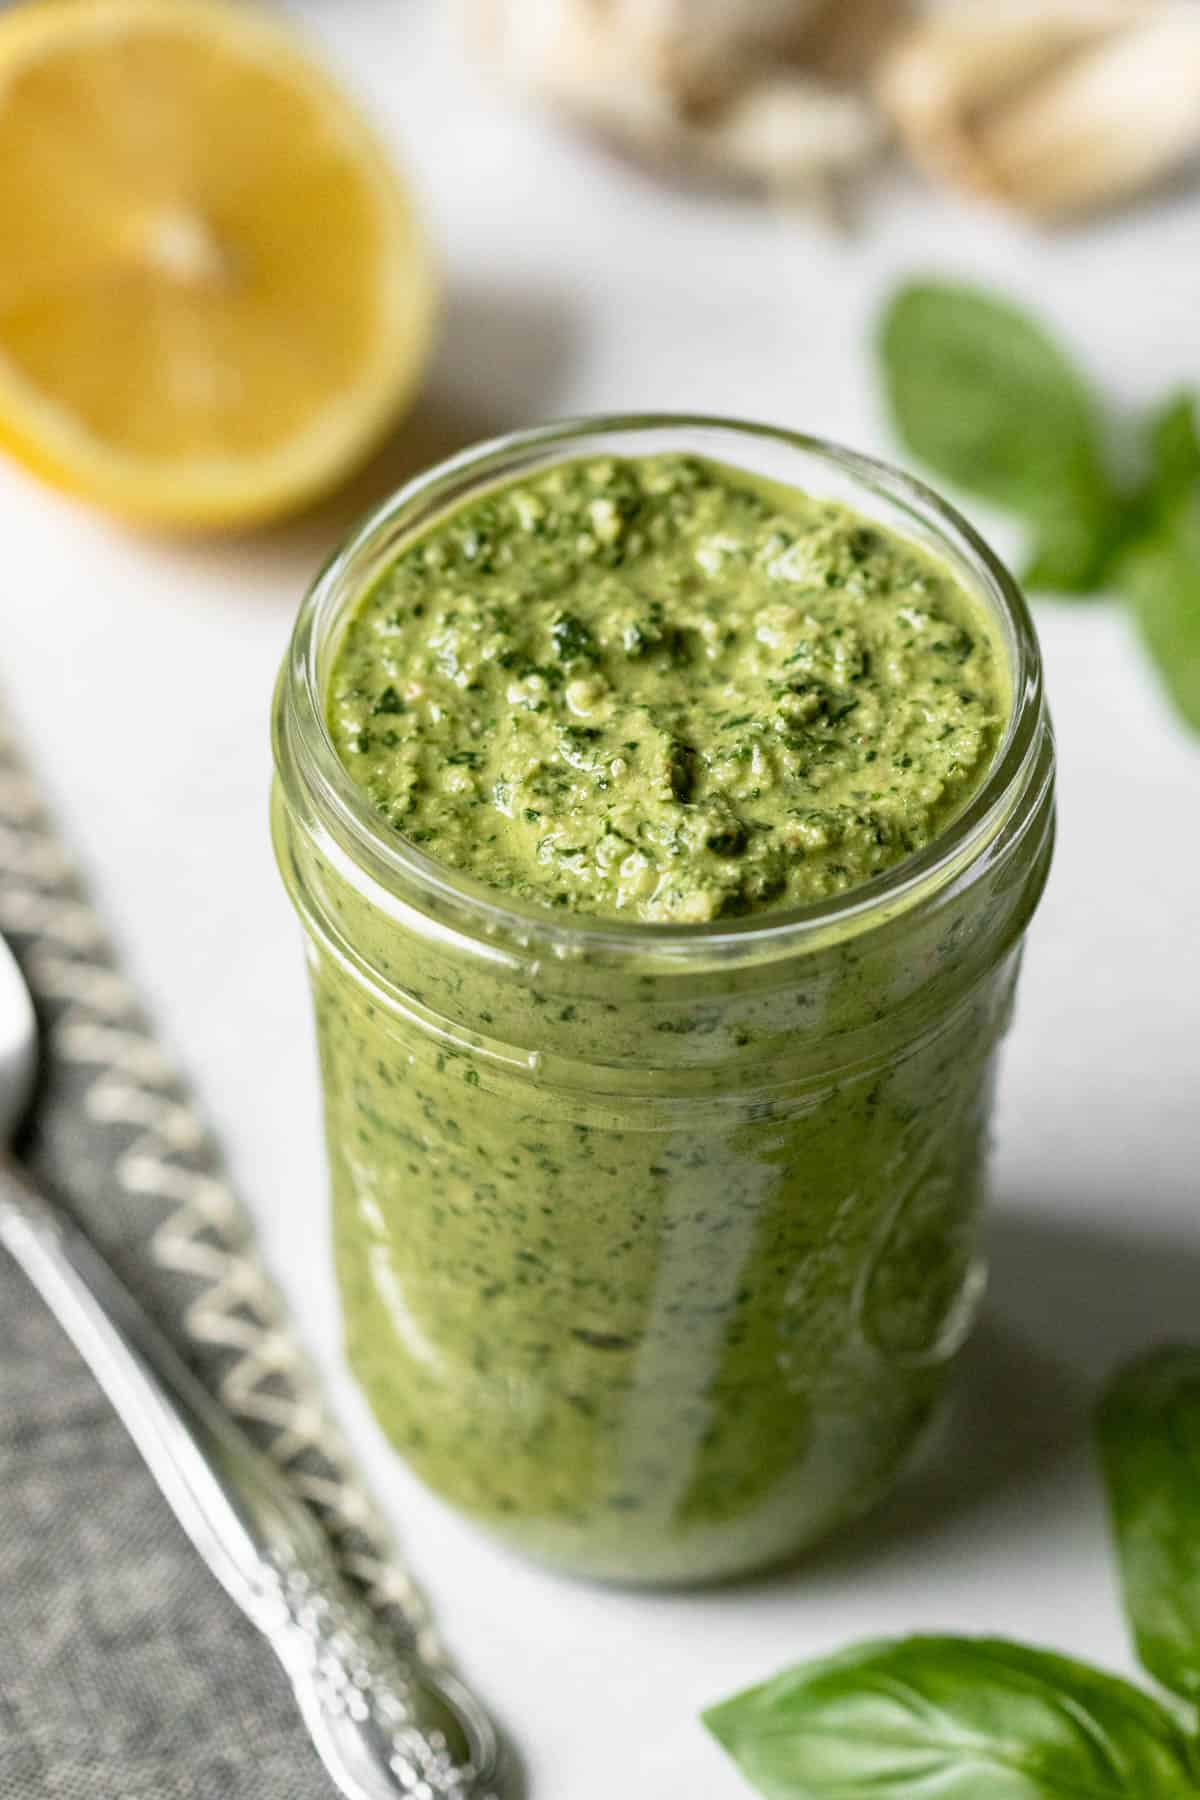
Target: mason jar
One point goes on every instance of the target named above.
(656, 1243)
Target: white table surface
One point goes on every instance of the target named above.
(142, 672)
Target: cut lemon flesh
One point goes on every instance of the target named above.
(215, 295)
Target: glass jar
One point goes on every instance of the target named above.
(655, 1243)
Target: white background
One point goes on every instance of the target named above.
(142, 673)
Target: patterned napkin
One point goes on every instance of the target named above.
(125, 1672)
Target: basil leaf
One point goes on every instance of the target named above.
(1148, 1430)
(1073, 553)
(1172, 458)
(955, 1718)
(1160, 576)
(1174, 444)
(986, 398)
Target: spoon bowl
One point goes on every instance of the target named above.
(18, 1044)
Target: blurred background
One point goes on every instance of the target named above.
(705, 205)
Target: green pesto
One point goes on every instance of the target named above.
(661, 689)
(658, 1276)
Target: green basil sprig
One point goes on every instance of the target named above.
(989, 400)
(984, 396)
(960, 1718)
(1161, 577)
(1173, 440)
(1148, 1429)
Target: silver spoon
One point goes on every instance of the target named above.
(384, 1722)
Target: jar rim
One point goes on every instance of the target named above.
(400, 871)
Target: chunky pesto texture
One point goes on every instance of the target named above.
(657, 1273)
(659, 689)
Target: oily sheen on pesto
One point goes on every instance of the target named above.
(654, 1262)
(657, 688)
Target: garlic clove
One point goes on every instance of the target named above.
(941, 79)
(1106, 126)
(1052, 111)
(782, 131)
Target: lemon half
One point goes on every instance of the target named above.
(215, 293)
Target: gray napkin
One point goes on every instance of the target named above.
(125, 1672)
